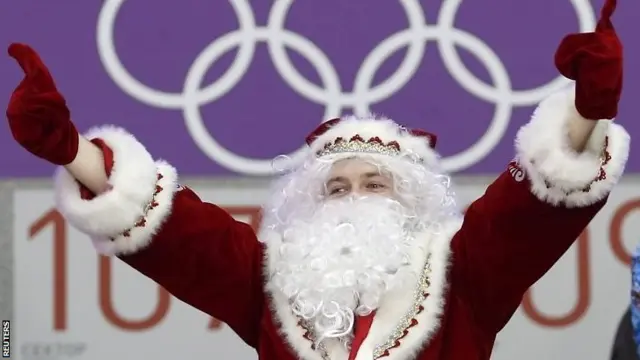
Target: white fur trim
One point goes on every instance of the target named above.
(140, 236)
(385, 129)
(543, 150)
(133, 182)
(390, 312)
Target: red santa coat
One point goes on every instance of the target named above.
(474, 272)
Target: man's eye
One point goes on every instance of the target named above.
(375, 186)
(336, 191)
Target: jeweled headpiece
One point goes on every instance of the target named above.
(371, 136)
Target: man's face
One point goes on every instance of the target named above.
(355, 176)
(341, 254)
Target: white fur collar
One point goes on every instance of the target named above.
(407, 309)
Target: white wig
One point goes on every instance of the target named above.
(407, 155)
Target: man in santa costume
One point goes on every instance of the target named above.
(362, 253)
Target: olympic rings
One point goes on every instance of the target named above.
(330, 94)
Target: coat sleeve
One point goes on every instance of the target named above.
(532, 213)
(624, 345)
(195, 250)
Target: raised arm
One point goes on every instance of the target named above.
(195, 250)
(567, 161)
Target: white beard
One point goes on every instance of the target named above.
(340, 261)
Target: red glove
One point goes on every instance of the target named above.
(38, 115)
(594, 61)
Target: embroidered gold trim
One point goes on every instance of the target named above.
(359, 146)
(408, 320)
(310, 335)
(420, 294)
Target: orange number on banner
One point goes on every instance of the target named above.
(54, 219)
(109, 312)
(615, 230)
(215, 324)
(584, 292)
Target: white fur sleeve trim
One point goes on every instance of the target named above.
(125, 218)
(557, 173)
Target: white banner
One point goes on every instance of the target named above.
(72, 304)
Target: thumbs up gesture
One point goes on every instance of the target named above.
(594, 61)
(37, 113)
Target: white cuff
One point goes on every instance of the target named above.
(557, 173)
(125, 218)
